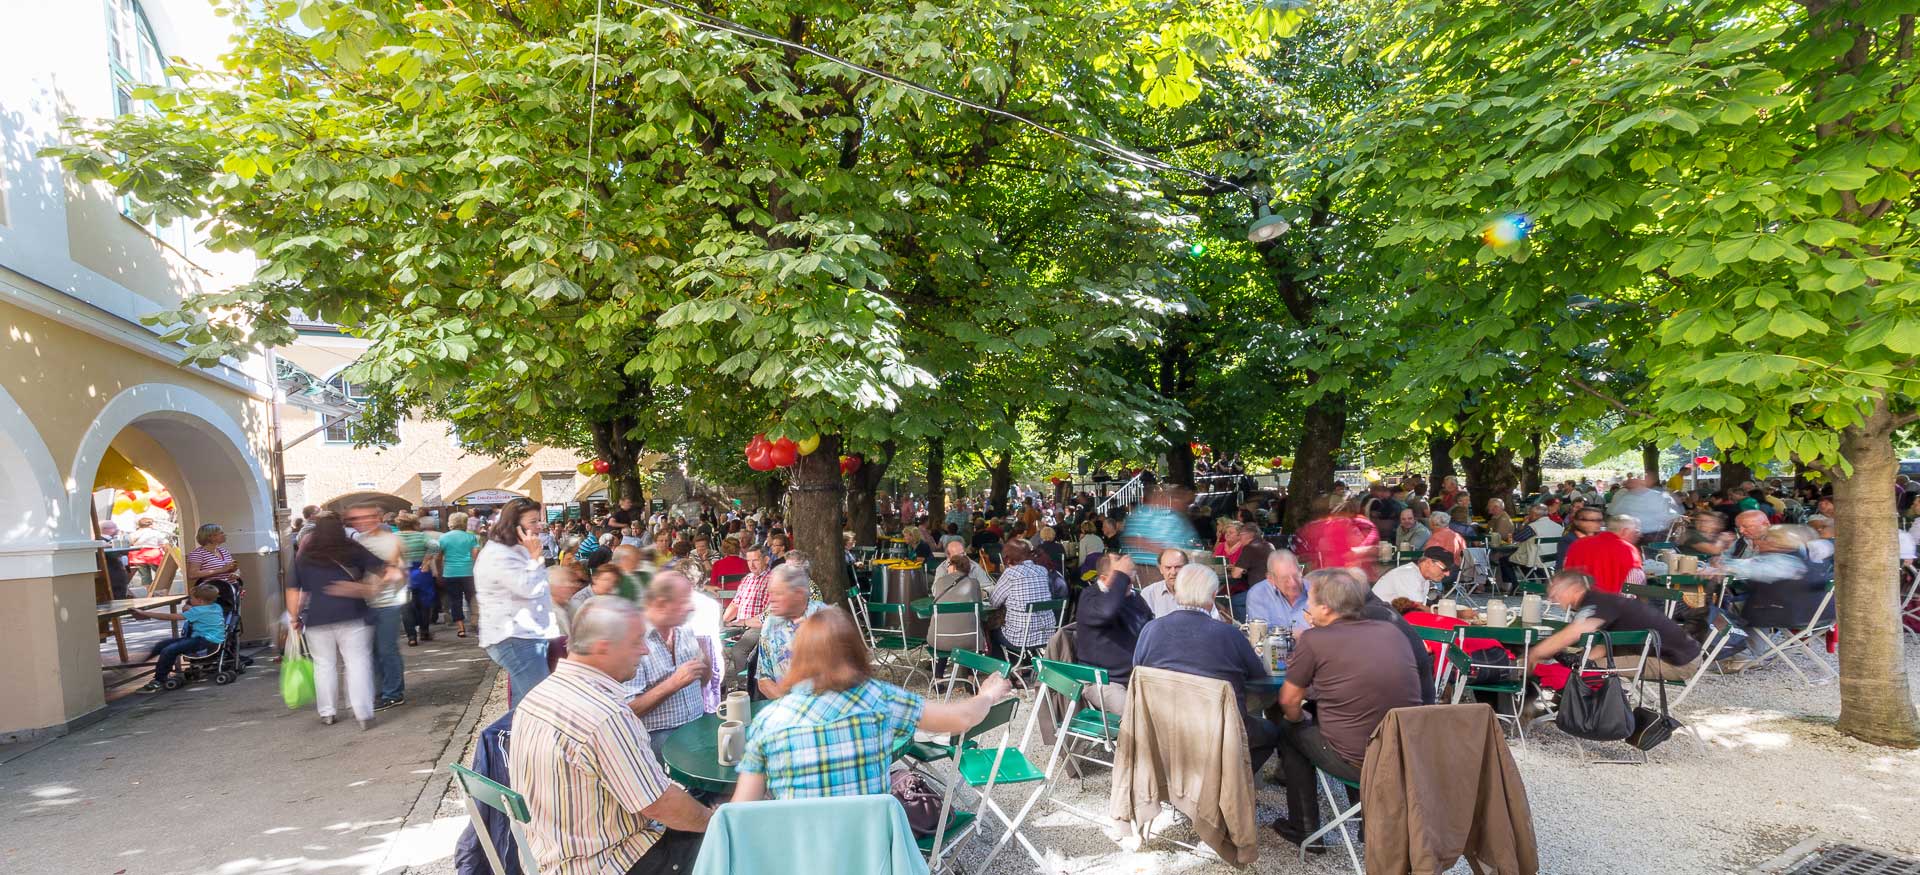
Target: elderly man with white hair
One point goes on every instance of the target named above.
(1280, 599)
(597, 797)
(1191, 641)
(1750, 526)
(789, 600)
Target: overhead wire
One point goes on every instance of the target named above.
(1105, 147)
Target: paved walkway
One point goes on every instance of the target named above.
(226, 781)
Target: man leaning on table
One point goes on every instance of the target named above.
(667, 687)
(598, 800)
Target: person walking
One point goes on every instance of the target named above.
(333, 579)
(418, 550)
(515, 600)
(389, 604)
(457, 549)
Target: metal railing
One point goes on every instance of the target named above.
(1129, 493)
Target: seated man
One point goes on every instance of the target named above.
(1280, 599)
(1412, 580)
(1022, 583)
(206, 629)
(792, 750)
(959, 580)
(598, 799)
(1159, 594)
(789, 599)
(1609, 557)
(667, 686)
(1111, 616)
(1192, 641)
(1358, 669)
(1596, 611)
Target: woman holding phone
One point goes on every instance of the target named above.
(516, 604)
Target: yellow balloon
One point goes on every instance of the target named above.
(585, 469)
(122, 505)
(139, 506)
(808, 445)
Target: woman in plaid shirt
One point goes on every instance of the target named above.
(834, 732)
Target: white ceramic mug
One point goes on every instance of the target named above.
(1531, 608)
(736, 708)
(731, 743)
(1447, 608)
(1496, 612)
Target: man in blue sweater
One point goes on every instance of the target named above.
(1190, 640)
(1111, 615)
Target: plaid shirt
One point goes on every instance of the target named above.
(582, 760)
(776, 642)
(686, 704)
(750, 597)
(1019, 586)
(830, 744)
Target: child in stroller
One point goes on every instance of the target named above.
(207, 646)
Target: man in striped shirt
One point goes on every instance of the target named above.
(1022, 583)
(600, 802)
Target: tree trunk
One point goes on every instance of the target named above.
(1490, 474)
(814, 516)
(622, 456)
(863, 513)
(1000, 483)
(1650, 461)
(1440, 459)
(1530, 470)
(771, 490)
(1179, 459)
(1317, 457)
(1876, 705)
(936, 483)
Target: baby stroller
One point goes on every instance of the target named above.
(222, 663)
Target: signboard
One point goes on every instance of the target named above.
(488, 496)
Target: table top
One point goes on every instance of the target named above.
(125, 606)
(692, 754)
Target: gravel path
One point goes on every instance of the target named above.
(1772, 773)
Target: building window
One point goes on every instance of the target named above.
(342, 432)
(133, 54)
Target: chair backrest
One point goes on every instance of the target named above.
(1051, 676)
(879, 611)
(1056, 607)
(731, 581)
(971, 661)
(823, 748)
(1616, 642)
(1668, 599)
(1437, 636)
(482, 790)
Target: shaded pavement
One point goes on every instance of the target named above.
(228, 781)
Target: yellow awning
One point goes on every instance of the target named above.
(118, 473)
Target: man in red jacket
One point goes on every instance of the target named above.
(1610, 557)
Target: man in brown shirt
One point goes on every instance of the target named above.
(1358, 670)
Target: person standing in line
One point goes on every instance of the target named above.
(389, 604)
(515, 600)
(333, 578)
(457, 549)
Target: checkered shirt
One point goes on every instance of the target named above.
(750, 597)
(686, 704)
(830, 744)
(1019, 586)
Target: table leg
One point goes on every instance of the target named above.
(120, 638)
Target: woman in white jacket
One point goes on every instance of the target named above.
(516, 604)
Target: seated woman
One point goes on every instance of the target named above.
(834, 732)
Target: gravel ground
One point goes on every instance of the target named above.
(1769, 772)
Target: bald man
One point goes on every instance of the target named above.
(1751, 526)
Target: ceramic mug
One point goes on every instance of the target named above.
(736, 708)
(731, 743)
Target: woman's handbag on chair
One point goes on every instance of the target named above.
(1596, 712)
(1652, 728)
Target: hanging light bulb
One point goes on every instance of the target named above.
(1267, 227)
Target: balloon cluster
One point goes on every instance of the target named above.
(595, 466)
(1200, 449)
(1705, 463)
(136, 501)
(766, 455)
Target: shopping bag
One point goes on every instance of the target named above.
(296, 673)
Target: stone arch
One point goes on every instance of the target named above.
(35, 516)
(386, 500)
(221, 478)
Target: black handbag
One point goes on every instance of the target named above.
(1652, 728)
(1596, 712)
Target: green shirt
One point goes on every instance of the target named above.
(458, 549)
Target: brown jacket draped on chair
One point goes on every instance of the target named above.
(1439, 783)
(1183, 742)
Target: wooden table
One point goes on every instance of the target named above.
(113, 612)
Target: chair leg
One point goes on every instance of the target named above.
(1339, 822)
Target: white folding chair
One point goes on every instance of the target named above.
(480, 789)
(982, 769)
(1802, 640)
(1908, 609)
(1339, 821)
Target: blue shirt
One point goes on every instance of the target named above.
(206, 621)
(1264, 602)
(456, 549)
(1152, 528)
(1192, 642)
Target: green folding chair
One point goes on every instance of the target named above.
(1074, 727)
(1057, 608)
(982, 769)
(1615, 643)
(1339, 821)
(1442, 667)
(894, 649)
(963, 667)
(482, 790)
(1516, 688)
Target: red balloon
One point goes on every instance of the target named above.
(1702, 460)
(759, 462)
(1277, 462)
(783, 453)
(602, 466)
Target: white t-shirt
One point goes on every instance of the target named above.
(1906, 545)
(1403, 582)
